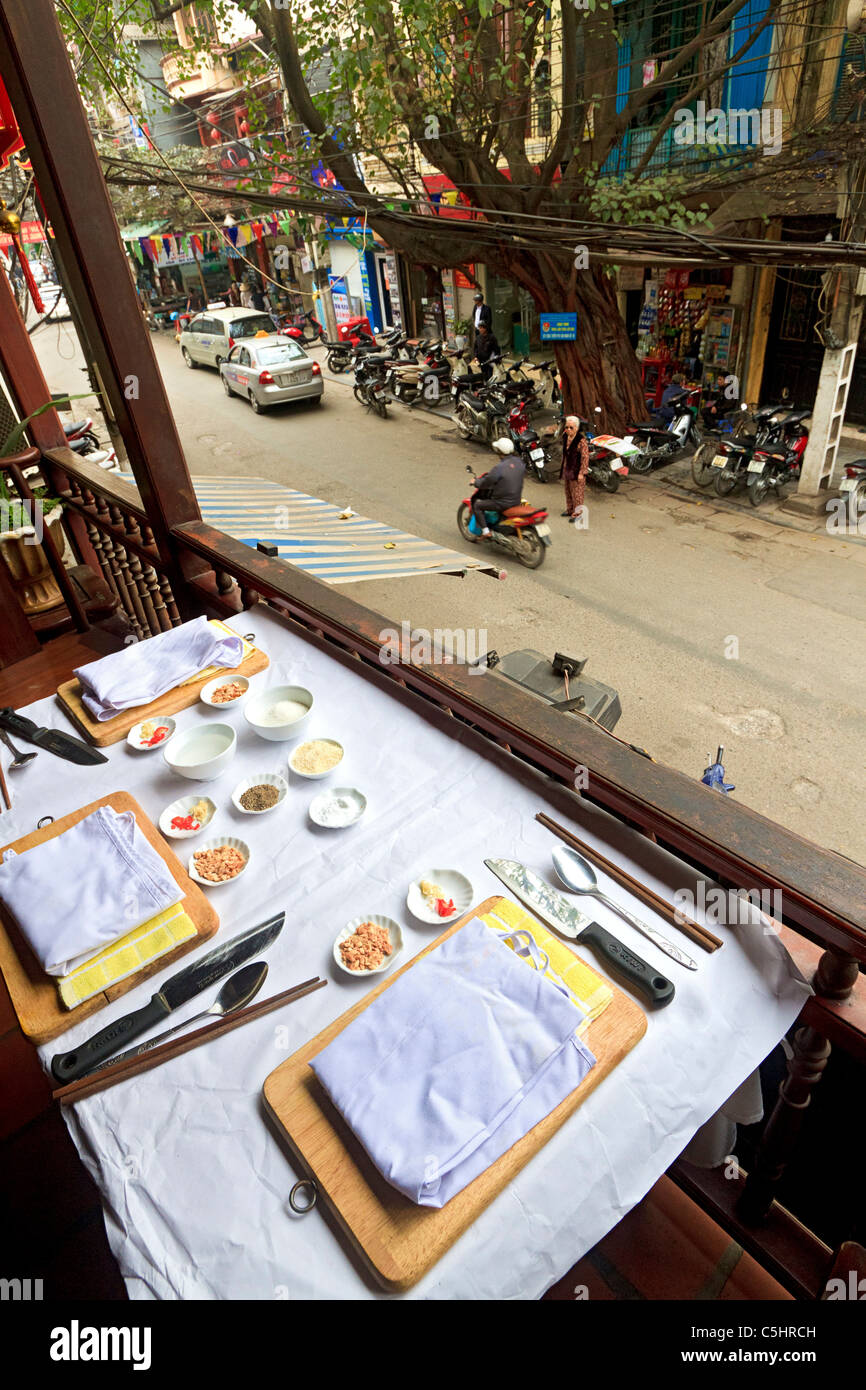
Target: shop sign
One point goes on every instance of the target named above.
(630, 277)
(365, 285)
(340, 299)
(307, 265)
(558, 327)
(462, 281)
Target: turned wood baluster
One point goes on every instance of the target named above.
(100, 549)
(224, 582)
(114, 551)
(834, 979)
(171, 606)
(136, 569)
(163, 621)
(250, 597)
(128, 577)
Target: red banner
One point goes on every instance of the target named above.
(31, 234)
(10, 136)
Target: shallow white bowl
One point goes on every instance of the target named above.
(277, 733)
(217, 843)
(314, 776)
(453, 884)
(133, 738)
(182, 807)
(352, 794)
(206, 692)
(268, 779)
(202, 752)
(394, 932)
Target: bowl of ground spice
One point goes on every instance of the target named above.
(368, 945)
(219, 861)
(317, 757)
(263, 792)
(224, 690)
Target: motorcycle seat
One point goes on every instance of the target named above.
(528, 436)
(522, 509)
(856, 463)
(648, 425)
(74, 426)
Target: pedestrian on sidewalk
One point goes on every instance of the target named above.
(575, 466)
(482, 317)
(487, 350)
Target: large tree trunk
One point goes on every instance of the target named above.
(599, 368)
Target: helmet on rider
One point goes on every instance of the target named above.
(503, 447)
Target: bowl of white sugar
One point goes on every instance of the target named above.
(279, 712)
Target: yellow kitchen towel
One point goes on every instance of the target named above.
(225, 631)
(122, 958)
(588, 990)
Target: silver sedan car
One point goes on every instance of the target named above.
(270, 369)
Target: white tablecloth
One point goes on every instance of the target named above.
(193, 1179)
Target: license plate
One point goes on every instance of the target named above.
(536, 454)
(542, 529)
(848, 485)
(719, 461)
(454, 390)
(756, 466)
(619, 468)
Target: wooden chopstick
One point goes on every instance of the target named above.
(5, 789)
(647, 895)
(99, 1080)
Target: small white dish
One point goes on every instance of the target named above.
(378, 920)
(207, 691)
(356, 805)
(182, 807)
(267, 779)
(202, 752)
(218, 843)
(257, 708)
(135, 740)
(453, 884)
(315, 775)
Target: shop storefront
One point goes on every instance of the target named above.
(687, 324)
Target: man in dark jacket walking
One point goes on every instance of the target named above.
(482, 316)
(500, 487)
(487, 350)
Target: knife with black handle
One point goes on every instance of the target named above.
(553, 909)
(52, 740)
(69, 1066)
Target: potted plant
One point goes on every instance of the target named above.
(20, 531)
(462, 329)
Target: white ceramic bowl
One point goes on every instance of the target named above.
(255, 708)
(267, 779)
(202, 752)
(315, 775)
(134, 738)
(351, 794)
(394, 933)
(182, 807)
(217, 843)
(453, 884)
(207, 691)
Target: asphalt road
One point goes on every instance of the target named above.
(713, 623)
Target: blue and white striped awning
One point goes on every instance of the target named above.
(311, 535)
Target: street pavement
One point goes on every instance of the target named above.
(716, 622)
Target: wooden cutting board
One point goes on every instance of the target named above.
(181, 697)
(397, 1240)
(33, 993)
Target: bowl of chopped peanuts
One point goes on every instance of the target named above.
(224, 690)
(368, 945)
(219, 861)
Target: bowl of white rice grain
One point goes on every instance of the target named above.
(279, 712)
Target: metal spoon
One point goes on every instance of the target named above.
(20, 759)
(578, 875)
(238, 990)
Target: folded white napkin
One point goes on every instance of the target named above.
(75, 894)
(144, 670)
(453, 1063)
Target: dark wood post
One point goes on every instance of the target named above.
(35, 67)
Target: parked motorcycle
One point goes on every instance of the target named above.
(607, 453)
(731, 462)
(521, 531)
(657, 442)
(425, 379)
(853, 489)
(528, 443)
(81, 430)
(775, 467)
(482, 415)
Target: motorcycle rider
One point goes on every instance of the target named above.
(500, 487)
(486, 348)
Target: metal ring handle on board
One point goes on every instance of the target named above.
(308, 1183)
